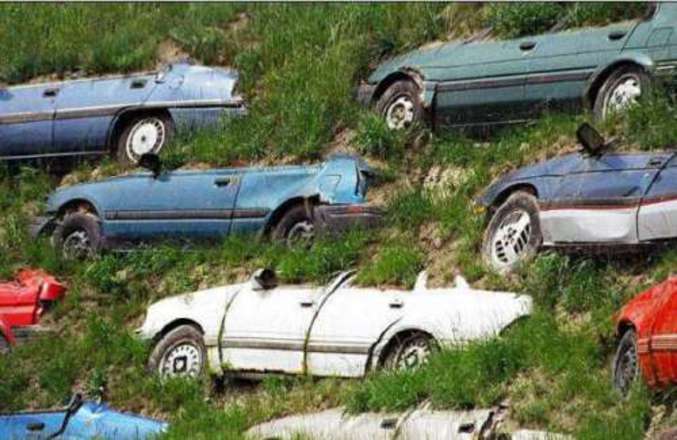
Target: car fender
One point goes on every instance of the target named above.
(498, 191)
(63, 197)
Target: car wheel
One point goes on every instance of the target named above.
(626, 362)
(400, 105)
(179, 353)
(513, 234)
(144, 135)
(410, 352)
(296, 227)
(78, 236)
(622, 89)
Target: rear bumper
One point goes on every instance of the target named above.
(339, 218)
(40, 225)
(364, 94)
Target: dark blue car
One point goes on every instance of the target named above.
(288, 203)
(125, 115)
(80, 420)
(597, 199)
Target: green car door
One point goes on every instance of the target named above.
(562, 63)
(479, 82)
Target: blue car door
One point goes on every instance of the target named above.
(657, 217)
(598, 201)
(85, 110)
(181, 204)
(26, 120)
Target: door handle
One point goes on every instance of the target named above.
(224, 181)
(138, 84)
(50, 93)
(616, 35)
(656, 161)
(396, 304)
(307, 303)
(527, 45)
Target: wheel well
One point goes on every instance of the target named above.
(76, 205)
(603, 75)
(125, 117)
(281, 210)
(623, 327)
(387, 82)
(177, 323)
(396, 339)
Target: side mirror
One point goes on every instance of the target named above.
(590, 139)
(264, 279)
(151, 162)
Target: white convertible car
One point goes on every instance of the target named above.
(257, 328)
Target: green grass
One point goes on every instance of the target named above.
(299, 65)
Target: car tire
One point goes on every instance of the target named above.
(147, 134)
(296, 227)
(180, 352)
(78, 236)
(400, 105)
(626, 362)
(624, 87)
(410, 352)
(513, 234)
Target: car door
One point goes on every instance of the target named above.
(265, 330)
(480, 82)
(26, 120)
(663, 344)
(85, 109)
(349, 323)
(562, 63)
(181, 204)
(598, 201)
(657, 218)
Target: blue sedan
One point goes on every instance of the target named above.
(126, 115)
(288, 203)
(595, 199)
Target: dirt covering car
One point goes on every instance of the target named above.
(258, 327)
(23, 301)
(647, 338)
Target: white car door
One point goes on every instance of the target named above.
(349, 322)
(265, 330)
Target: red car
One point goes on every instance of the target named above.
(23, 301)
(647, 330)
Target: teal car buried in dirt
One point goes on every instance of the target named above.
(500, 82)
(289, 203)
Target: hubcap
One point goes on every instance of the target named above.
(301, 233)
(77, 245)
(627, 368)
(626, 92)
(182, 360)
(413, 355)
(400, 113)
(511, 239)
(147, 136)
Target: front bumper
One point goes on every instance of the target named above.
(339, 218)
(40, 225)
(365, 93)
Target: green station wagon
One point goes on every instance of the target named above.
(603, 69)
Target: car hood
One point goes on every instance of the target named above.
(644, 305)
(418, 58)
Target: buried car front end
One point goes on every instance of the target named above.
(342, 185)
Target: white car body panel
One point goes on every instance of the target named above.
(339, 330)
(616, 225)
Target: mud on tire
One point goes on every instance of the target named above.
(295, 227)
(400, 105)
(513, 234)
(78, 235)
(180, 352)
